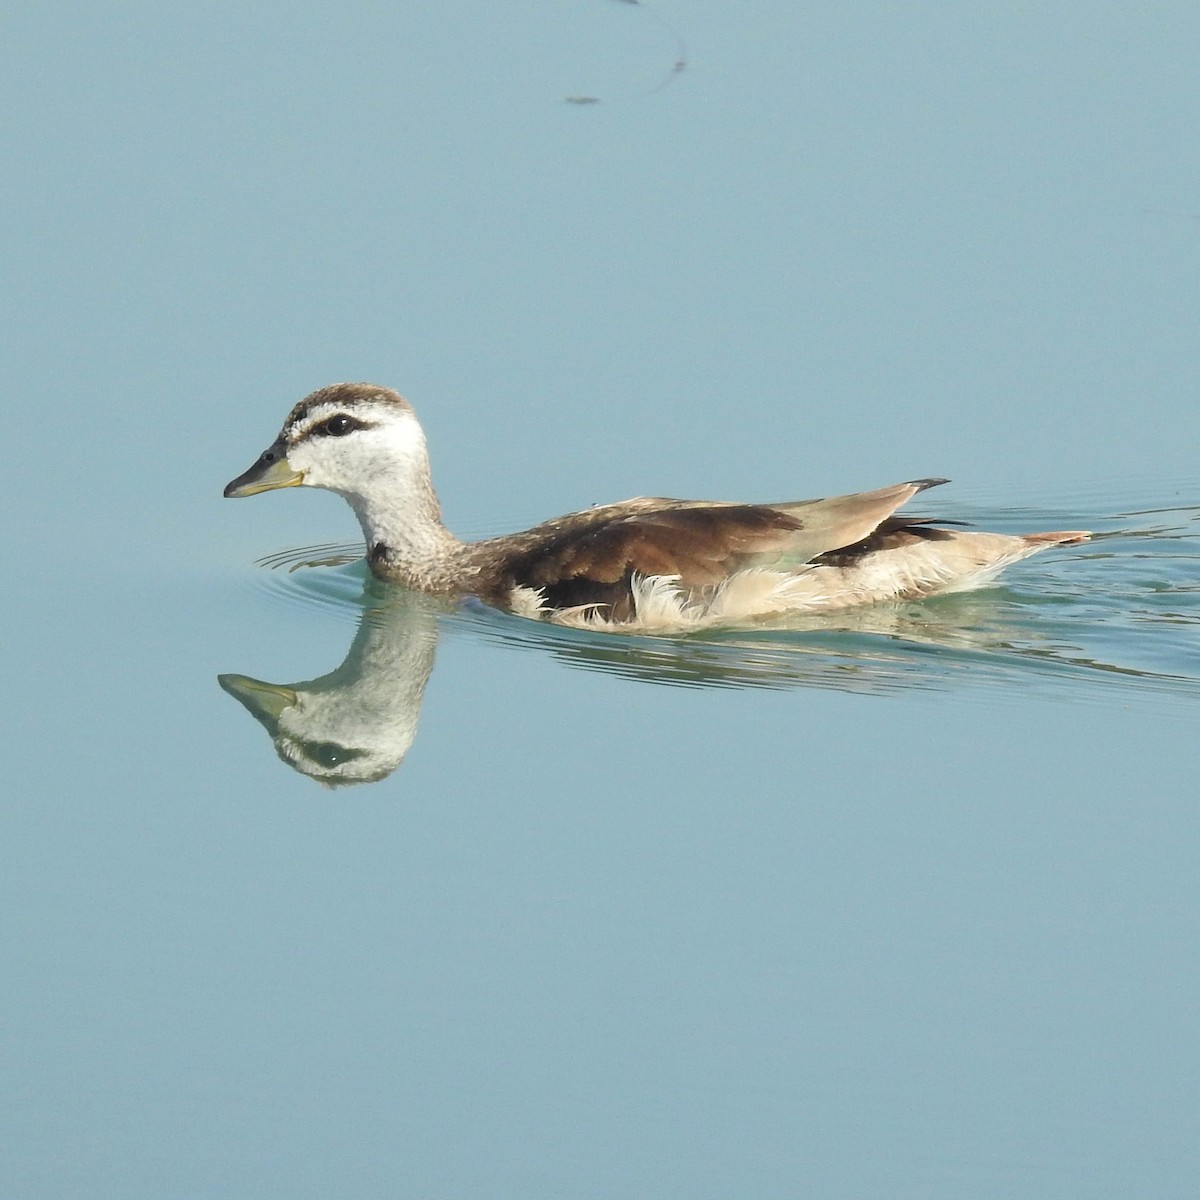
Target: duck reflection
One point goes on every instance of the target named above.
(355, 724)
(1134, 611)
(870, 651)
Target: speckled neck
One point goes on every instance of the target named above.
(406, 540)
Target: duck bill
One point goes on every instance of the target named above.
(265, 701)
(271, 471)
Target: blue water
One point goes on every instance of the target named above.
(899, 906)
(315, 889)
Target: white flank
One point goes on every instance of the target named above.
(527, 602)
(961, 563)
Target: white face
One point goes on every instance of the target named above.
(356, 448)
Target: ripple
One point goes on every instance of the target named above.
(331, 554)
(994, 637)
(332, 578)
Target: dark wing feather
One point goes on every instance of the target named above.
(591, 557)
(893, 534)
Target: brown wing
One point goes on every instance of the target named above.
(841, 521)
(591, 557)
(594, 561)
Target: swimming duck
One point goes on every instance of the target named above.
(647, 565)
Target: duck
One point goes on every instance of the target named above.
(648, 565)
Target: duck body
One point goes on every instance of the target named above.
(650, 564)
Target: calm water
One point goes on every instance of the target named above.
(902, 905)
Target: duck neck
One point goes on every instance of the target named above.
(406, 540)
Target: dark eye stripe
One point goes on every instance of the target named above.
(338, 425)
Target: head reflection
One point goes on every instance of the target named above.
(355, 724)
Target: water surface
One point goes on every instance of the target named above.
(899, 905)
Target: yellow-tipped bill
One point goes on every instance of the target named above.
(271, 471)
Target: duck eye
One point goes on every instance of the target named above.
(337, 426)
